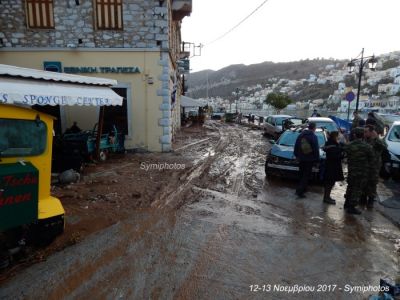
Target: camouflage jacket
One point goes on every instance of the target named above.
(356, 122)
(359, 158)
(377, 146)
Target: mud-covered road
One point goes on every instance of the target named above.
(223, 229)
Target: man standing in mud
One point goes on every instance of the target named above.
(306, 150)
(359, 158)
(378, 146)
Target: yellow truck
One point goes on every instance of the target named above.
(28, 213)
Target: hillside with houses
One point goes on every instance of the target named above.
(318, 83)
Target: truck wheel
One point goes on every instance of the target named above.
(46, 231)
(5, 260)
(267, 173)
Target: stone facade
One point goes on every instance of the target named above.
(146, 24)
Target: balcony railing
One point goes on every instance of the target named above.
(181, 9)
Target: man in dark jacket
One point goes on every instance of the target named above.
(306, 151)
(333, 165)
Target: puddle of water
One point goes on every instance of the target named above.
(220, 208)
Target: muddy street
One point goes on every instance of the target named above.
(220, 230)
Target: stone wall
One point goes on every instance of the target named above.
(146, 25)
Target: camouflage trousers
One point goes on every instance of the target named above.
(370, 190)
(356, 187)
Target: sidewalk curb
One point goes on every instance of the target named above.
(392, 214)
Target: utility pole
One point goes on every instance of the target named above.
(237, 99)
(207, 84)
(361, 61)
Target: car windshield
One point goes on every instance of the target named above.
(296, 121)
(394, 135)
(278, 121)
(329, 126)
(22, 137)
(288, 138)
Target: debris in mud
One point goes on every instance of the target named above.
(136, 194)
(69, 177)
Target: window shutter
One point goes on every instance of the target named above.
(40, 13)
(109, 14)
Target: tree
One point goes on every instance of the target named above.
(278, 101)
(350, 81)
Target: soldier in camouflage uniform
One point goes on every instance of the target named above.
(378, 146)
(357, 121)
(359, 156)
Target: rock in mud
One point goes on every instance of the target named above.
(69, 177)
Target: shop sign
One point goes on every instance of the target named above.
(120, 70)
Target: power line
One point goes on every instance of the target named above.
(237, 25)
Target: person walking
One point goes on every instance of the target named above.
(315, 113)
(306, 150)
(333, 166)
(378, 146)
(359, 158)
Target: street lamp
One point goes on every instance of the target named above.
(361, 62)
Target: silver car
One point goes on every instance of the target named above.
(392, 140)
(273, 125)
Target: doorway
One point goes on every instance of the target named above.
(117, 115)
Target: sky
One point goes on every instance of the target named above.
(289, 30)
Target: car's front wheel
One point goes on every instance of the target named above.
(268, 174)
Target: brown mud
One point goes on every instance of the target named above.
(209, 231)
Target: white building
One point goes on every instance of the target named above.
(344, 105)
(342, 87)
(389, 89)
(312, 78)
(395, 72)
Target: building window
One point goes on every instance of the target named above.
(39, 13)
(109, 14)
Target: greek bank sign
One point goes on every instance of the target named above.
(56, 66)
(80, 70)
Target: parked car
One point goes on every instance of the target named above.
(329, 125)
(388, 120)
(280, 159)
(273, 125)
(322, 122)
(217, 116)
(392, 140)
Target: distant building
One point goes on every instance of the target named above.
(344, 105)
(395, 72)
(312, 78)
(389, 89)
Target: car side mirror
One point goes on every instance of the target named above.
(272, 142)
